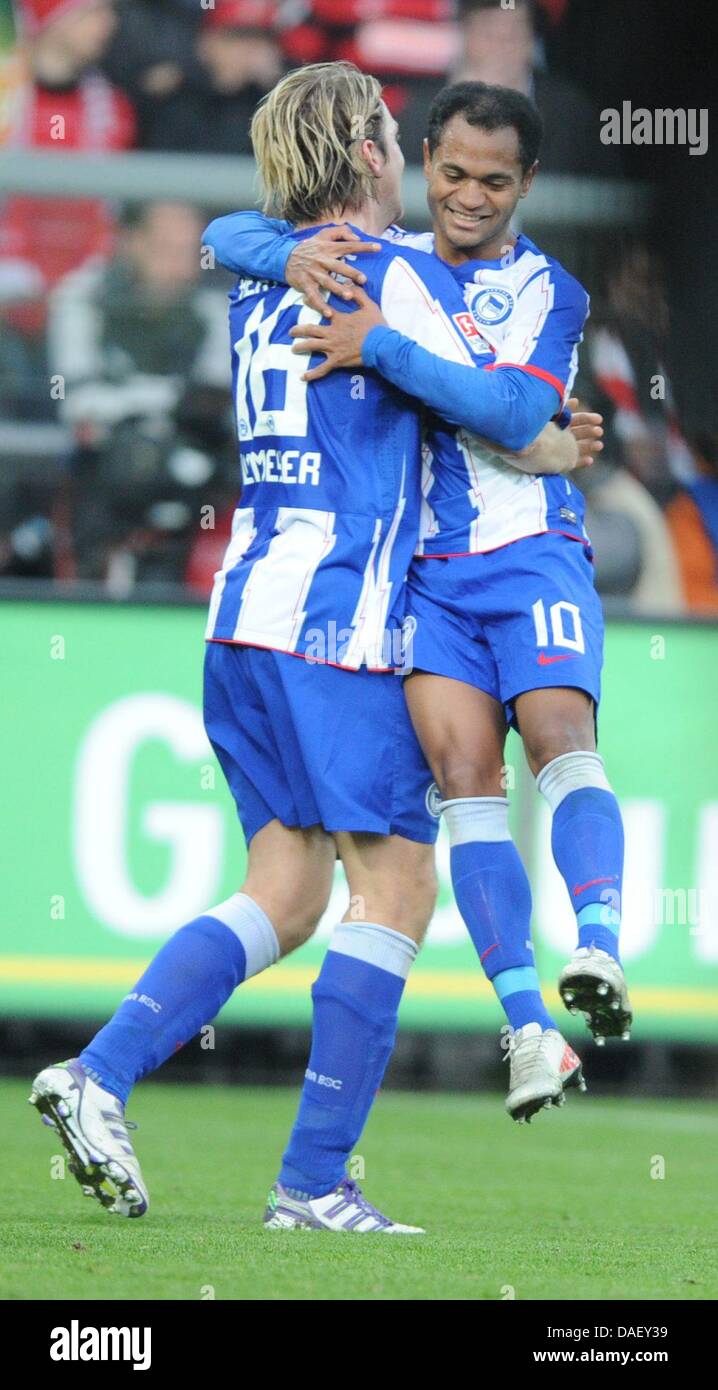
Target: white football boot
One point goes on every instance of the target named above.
(543, 1067)
(91, 1124)
(345, 1208)
(593, 983)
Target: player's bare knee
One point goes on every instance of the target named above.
(553, 741)
(294, 934)
(294, 913)
(463, 777)
(404, 902)
(298, 925)
(413, 907)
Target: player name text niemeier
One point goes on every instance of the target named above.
(280, 466)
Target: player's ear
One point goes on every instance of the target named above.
(373, 156)
(528, 178)
(426, 157)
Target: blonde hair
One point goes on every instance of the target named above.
(307, 136)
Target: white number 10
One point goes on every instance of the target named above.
(560, 638)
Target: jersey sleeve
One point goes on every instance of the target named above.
(546, 330)
(424, 352)
(249, 243)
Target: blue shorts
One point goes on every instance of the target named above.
(523, 617)
(312, 744)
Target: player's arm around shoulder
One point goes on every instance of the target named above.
(250, 243)
(266, 248)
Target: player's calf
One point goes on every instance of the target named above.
(587, 841)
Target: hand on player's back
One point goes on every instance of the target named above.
(341, 340)
(587, 429)
(316, 262)
(557, 450)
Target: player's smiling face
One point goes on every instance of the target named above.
(475, 181)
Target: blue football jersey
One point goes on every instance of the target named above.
(331, 473)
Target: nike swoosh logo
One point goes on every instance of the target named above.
(544, 660)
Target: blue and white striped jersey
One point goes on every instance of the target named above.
(522, 311)
(331, 474)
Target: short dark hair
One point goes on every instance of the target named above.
(489, 108)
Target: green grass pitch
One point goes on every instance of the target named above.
(563, 1209)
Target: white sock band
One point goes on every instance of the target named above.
(570, 773)
(471, 818)
(251, 925)
(381, 946)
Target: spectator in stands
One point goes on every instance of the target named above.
(206, 554)
(625, 343)
(501, 46)
(196, 80)
(243, 60)
(151, 52)
(692, 518)
(24, 391)
(66, 104)
(142, 346)
(633, 549)
(554, 10)
(408, 44)
(634, 554)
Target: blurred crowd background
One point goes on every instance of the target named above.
(115, 417)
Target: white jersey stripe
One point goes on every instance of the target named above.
(243, 533)
(368, 641)
(356, 648)
(544, 294)
(275, 593)
(376, 656)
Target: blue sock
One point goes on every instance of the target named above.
(356, 1001)
(494, 898)
(184, 987)
(587, 844)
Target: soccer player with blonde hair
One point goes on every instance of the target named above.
(303, 704)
